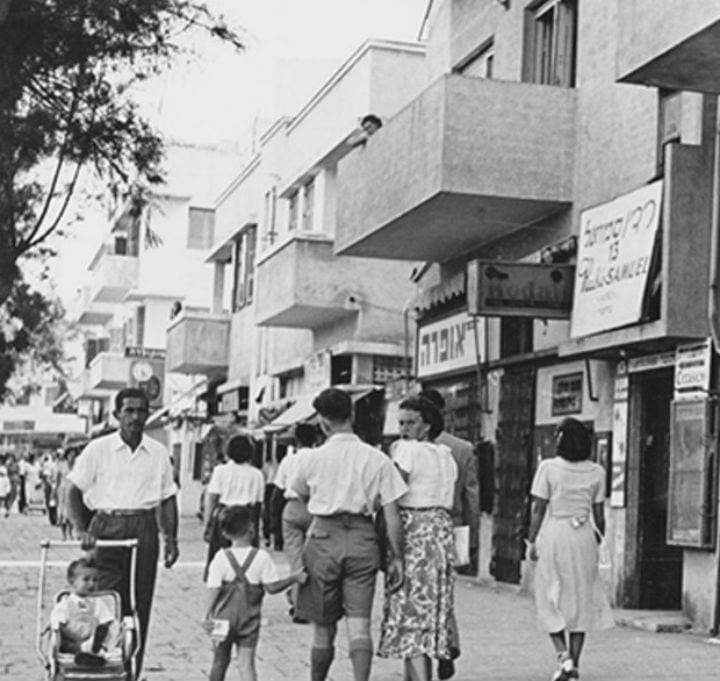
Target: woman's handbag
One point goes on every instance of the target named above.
(604, 560)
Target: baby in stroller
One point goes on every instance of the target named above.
(85, 621)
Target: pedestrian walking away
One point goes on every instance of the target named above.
(295, 516)
(345, 481)
(465, 512)
(125, 477)
(234, 483)
(415, 624)
(238, 578)
(567, 520)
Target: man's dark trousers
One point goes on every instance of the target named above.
(114, 563)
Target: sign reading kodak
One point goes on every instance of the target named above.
(516, 289)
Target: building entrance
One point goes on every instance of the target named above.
(659, 565)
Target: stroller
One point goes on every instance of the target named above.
(120, 662)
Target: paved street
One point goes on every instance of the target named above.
(500, 639)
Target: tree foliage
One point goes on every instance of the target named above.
(67, 68)
(67, 71)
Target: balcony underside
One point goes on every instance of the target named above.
(302, 316)
(692, 64)
(448, 224)
(198, 344)
(94, 317)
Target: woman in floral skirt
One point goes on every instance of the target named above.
(415, 617)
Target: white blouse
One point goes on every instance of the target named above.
(237, 484)
(431, 471)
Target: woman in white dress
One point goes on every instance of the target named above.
(568, 495)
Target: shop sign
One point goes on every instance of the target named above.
(144, 353)
(692, 370)
(619, 455)
(18, 425)
(450, 344)
(615, 248)
(316, 372)
(622, 388)
(661, 360)
(567, 394)
(499, 289)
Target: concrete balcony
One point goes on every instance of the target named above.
(85, 392)
(465, 163)
(303, 285)
(108, 371)
(113, 277)
(669, 43)
(198, 343)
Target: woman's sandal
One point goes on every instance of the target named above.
(567, 669)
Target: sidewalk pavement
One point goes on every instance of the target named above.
(499, 638)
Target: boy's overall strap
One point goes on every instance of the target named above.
(238, 569)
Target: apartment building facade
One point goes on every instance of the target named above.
(564, 212)
(302, 318)
(149, 271)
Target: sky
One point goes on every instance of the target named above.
(220, 94)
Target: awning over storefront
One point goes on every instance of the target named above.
(447, 289)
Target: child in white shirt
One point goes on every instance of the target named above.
(236, 523)
(85, 622)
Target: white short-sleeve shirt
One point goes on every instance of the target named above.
(111, 476)
(286, 470)
(237, 484)
(346, 475)
(262, 570)
(571, 487)
(81, 615)
(431, 471)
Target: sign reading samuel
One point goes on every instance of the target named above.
(615, 246)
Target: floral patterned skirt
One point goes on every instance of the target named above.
(415, 618)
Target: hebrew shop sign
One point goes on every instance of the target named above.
(449, 345)
(614, 252)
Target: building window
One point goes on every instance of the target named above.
(553, 43)
(478, 63)
(201, 228)
(270, 216)
(244, 269)
(293, 211)
(308, 205)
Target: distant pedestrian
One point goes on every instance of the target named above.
(295, 517)
(416, 617)
(5, 488)
(567, 517)
(259, 574)
(235, 483)
(345, 482)
(23, 470)
(13, 469)
(65, 466)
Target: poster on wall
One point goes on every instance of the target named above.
(692, 370)
(615, 245)
(619, 451)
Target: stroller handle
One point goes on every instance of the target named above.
(100, 543)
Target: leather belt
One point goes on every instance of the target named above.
(119, 512)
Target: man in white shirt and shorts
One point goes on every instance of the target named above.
(345, 481)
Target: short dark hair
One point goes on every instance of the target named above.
(236, 521)
(574, 442)
(334, 405)
(434, 396)
(85, 562)
(305, 434)
(429, 413)
(371, 118)
(241, 448)
(138, 393)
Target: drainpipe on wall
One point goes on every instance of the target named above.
(714, 323)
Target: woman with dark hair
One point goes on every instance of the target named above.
(234, 483)
(567, 519)
(415, 617)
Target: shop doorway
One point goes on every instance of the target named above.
(512, 472)
(659, 565)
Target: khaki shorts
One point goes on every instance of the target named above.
(342, 558)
